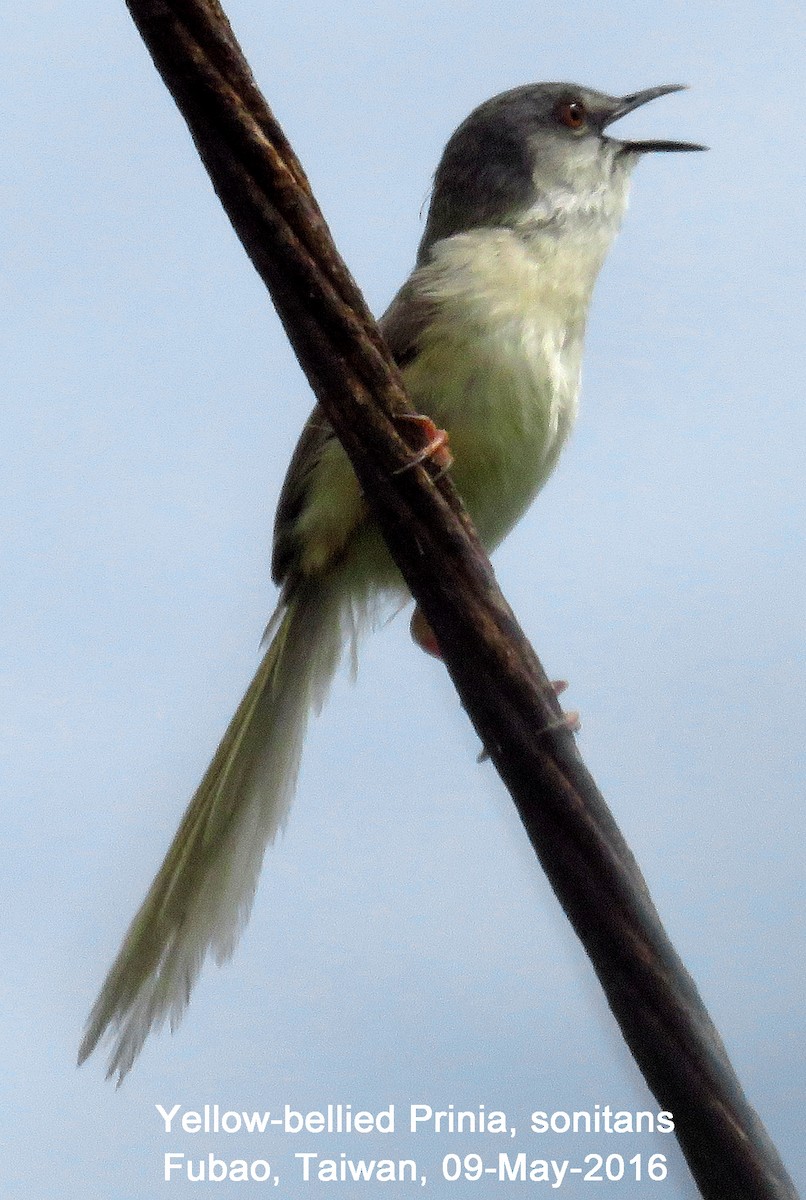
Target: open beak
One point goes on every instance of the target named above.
(628, 103)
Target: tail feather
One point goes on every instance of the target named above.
(202, 895)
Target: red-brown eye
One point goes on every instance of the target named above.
(572, 113)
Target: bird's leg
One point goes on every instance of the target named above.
(423, 635)
(436, 446)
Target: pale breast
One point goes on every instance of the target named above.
(499, 368)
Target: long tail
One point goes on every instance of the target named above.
(202, 895)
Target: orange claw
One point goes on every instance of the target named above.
(436, 446)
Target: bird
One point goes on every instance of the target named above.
(488, 332)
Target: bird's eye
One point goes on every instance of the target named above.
(572, 113)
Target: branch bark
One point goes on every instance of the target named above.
(496, 673)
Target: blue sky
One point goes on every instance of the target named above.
(404, 946)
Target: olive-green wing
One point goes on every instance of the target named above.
(402, 325)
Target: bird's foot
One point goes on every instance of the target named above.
(569, 720)
(423, 635)
(566, 720)
(436, 447)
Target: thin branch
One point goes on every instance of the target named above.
(497, 675)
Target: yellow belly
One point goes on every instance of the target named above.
(496, 367)
(507, 422)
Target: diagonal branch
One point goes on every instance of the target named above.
(497, 675)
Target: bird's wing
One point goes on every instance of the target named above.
(295, 494)
(405, 321)
(402, 326)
